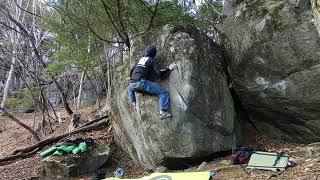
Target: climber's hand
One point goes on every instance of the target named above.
(172, 66)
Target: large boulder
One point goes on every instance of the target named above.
(201, 104)
(274, 50)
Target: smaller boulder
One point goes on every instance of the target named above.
(161, 169)
(73, 165)
(202, 166)
(75, 122)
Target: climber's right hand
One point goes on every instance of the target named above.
(172, 66)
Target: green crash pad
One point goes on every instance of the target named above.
(266, 161)
(61, 149)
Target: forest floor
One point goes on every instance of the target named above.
(14, 136)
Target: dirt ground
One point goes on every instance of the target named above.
(306, 169)
(14, 136)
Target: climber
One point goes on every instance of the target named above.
(141, 75)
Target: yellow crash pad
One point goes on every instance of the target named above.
(173, 176)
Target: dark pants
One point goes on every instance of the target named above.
(151, 88)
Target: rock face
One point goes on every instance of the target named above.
(274, 50)
(88, 95)
(73, 165)
(201, 104)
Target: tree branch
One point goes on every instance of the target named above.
(99, 37)
(55, 10)
(107, 9)
(144, 4)
(214, 8)
(121, 18)
(24, 31)
(26, 10)
(153, 15)
(99, 124)
(5, 113)
(30, 150)
(37, 53)
(10, 27)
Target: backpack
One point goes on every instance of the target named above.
(242, 154)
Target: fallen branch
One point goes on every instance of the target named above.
(226, 168)
(50, 140)
(5, 113)
(232, 167)
(94, 121)
(274, 175)
(5, 160)
(29, 150)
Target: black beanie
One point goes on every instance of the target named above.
(150, 51)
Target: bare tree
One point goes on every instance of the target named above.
(14, 38)
(34, 39)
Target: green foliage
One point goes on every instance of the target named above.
(59, 61)
(82, 24)
(173, 13)
(208, 14)
(18, 103)
(72, 38)
(21, 99)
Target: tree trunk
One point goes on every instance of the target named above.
(107, 54)
(121, 52)
(45, 109)
(63, 96)
(94, 89)
(8, 82)
(80, 90)
(34, 43)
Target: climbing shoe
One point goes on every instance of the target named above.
(165, 116)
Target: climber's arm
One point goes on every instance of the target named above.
(160, 73)
(156, 69)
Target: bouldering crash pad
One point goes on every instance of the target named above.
(68, 146)
(268, 161)
(174, 176)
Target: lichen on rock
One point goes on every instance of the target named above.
(274, 63)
